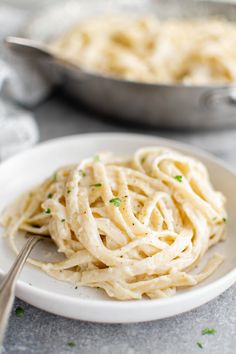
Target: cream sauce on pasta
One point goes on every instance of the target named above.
(132, 226)
(188, 51)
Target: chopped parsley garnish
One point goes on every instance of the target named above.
(208, 331)
(143, 159)
(71, 344)
(96, 185)
(179, 178)
(68, 191)
(31, 194)
(96, 158)
(224, 219)
(76, 287)
(54, 177)
(50, 195)
(82, 173)
(199, 344)
(115, 201)
(63, 220)
(47, 211)
(20, 311)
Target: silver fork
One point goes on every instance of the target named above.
(7, 287)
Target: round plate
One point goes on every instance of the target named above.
(21, 172)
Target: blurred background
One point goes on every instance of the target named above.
(31, 111)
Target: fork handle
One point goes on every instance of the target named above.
(7, 288)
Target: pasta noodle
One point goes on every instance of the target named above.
(188, 51)
(132, 226)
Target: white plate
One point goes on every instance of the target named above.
(31, 167)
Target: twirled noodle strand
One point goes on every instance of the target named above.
(133, 227)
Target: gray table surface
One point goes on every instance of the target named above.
(43, 333)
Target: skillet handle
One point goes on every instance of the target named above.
(219, 96)
(29, 48)
(38, 51)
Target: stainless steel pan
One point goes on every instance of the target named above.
(151, 104)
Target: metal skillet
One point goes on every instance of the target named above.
(157, 105)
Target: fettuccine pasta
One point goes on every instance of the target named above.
(189, 51)
(132, 226)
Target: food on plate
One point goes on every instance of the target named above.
(188, 51)
(134, 226)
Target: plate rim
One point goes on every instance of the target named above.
(223, 282)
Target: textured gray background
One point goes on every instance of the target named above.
(42, 333)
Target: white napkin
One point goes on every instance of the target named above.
(20, 83)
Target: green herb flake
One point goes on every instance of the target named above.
(224, 219)
(143, 159)
(47, 211)
(208, 331)
(68, 191)
(20, 311)
(31, 194)
(82, 173)
(115, 201)
(76, 287)
(54, 177)
(71, 344)
(50, 195)
(179, 178)
(96, 158)
(96, 185)
(199, 344)
(214, 218)
(63, 220)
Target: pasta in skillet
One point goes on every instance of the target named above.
(189, 51)
(132, 226)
